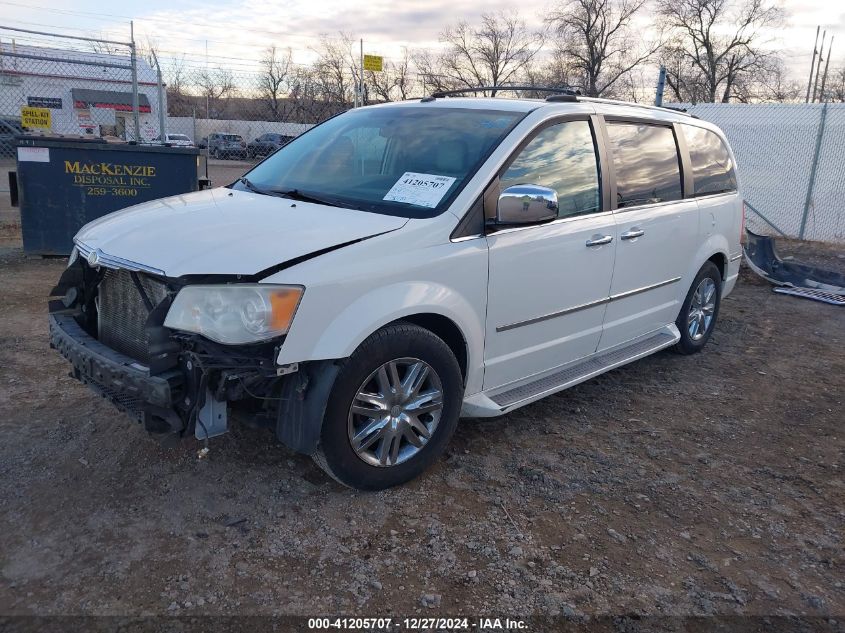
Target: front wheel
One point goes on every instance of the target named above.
(393, 408)
(699, 310)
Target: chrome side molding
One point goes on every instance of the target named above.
(584, 306)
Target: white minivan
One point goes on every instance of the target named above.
(402, 265)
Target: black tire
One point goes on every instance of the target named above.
(335, 454)
(688, 344)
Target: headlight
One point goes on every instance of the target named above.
(235, 314)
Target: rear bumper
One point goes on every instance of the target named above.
(117, 377)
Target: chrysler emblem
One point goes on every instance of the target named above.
(94, 258)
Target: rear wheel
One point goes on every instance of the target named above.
(393, 408)
(699, 310)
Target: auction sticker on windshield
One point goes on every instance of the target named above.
(423, 190)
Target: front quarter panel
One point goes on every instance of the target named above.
(352, 292)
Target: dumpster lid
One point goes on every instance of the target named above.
(99, 144)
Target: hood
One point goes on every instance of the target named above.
(227, 232)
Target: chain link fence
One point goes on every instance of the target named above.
(790, 159)
(789, 155)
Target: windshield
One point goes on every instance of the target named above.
(404, 161)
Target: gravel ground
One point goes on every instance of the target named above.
(676, 485)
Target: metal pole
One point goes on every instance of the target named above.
(134, 57)
(819, 66)
(812, 182)
(824, 76)
(208, 78)
(162, 114)
(661, 85)
(812, 64)
(361, 72)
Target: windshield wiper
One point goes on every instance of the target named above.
(296, 194)
(248, 183)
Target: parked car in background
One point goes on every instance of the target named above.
(9, 129)
(267, 144)
(404, 264)
(226, 146)
(176, 140)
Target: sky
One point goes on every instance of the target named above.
(236, 32)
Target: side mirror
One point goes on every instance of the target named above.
(526, 204)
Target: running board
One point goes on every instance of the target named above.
(584, 370)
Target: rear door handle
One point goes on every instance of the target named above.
(632, 234)
(598, 240)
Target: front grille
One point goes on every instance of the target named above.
(122, 313)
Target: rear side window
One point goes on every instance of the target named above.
(712, 167)
(561, 157)
(645, 158)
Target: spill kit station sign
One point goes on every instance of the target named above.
(36, 117)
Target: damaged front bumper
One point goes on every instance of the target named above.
(117, 377)
(205, 384)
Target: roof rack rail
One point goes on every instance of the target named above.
(646, 106)
(449, 93)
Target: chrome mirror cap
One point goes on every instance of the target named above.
(526, 204)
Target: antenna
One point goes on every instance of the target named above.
(819, 66)
(824, 76)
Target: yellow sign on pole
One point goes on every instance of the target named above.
(35, 117)
(373, 62)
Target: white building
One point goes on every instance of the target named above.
(87, 93)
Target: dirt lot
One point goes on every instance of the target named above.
(677, 485)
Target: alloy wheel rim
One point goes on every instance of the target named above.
(395, 412)
(702, 308)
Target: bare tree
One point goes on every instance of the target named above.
(214, 85)
(835, 88)
(432, 73)
(336, 70)
(275, 74)
(598, 41)
(490, 54)
(776, 85)
(718, 46)
(395, 81)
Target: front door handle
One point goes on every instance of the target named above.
(632, 234)
(598, 240)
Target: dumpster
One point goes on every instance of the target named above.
(63, 184)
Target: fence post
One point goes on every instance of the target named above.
(162, 107)
(813, 170)
(134, 57)
(661, 85)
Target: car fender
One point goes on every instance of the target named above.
(375, 309)
(716, 243)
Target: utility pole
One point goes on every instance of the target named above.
(824, 76)
(208, 78)
(361, 73)
(819, 66)
(812, 64)
(661, 85)
(134, 58)
(162, 123)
